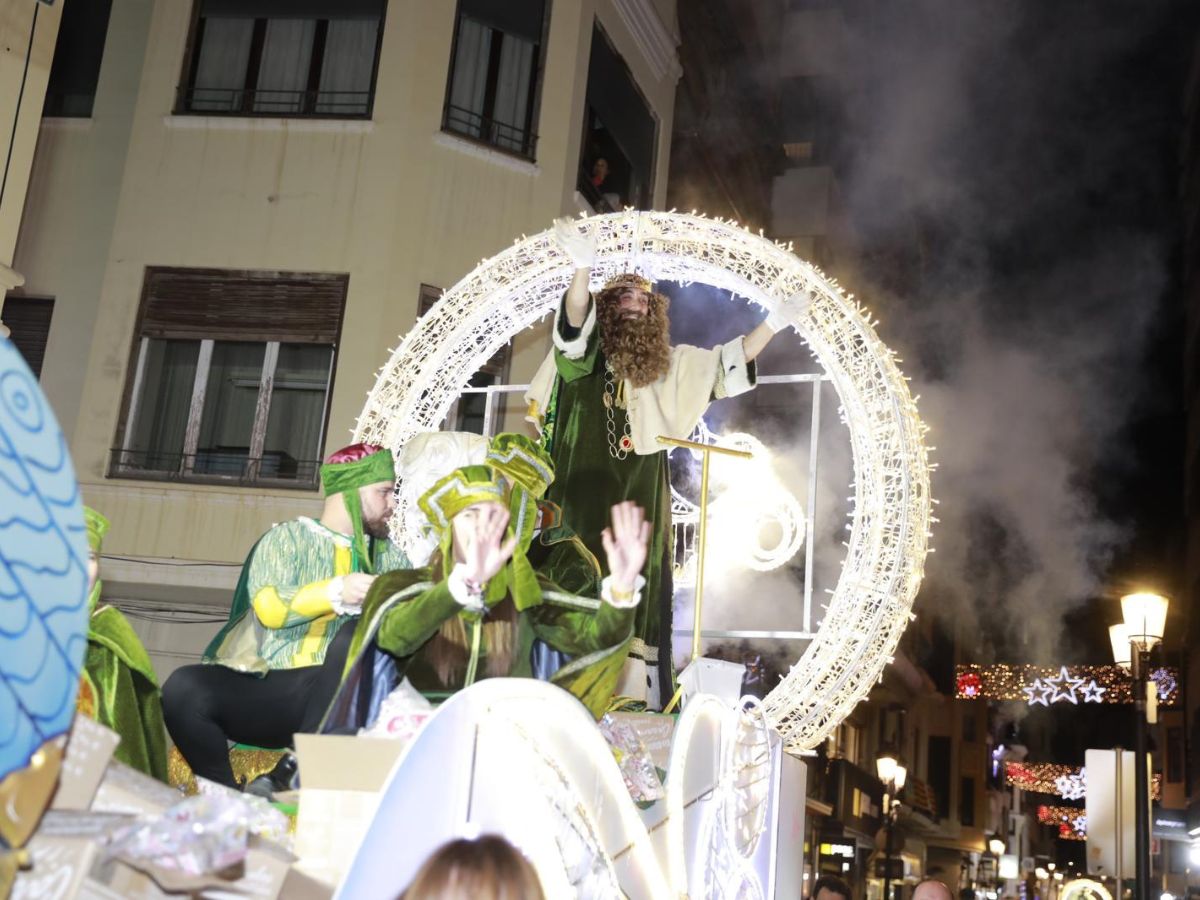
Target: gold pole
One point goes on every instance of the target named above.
(706, 451)
(701, 541)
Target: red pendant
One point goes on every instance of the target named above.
(626, 442)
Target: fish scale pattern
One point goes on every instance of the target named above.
(43, 569)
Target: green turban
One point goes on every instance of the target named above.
(346, 478)
(97, 527)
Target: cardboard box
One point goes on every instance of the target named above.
(340, 780)
(127, 791)
(63, 851)
(90, 746)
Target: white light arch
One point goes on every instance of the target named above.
(891, 514)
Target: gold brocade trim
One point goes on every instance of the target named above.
(247, 765)
(85, 700)
(639, 649)
(25, 793)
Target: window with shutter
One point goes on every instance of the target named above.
(230, 377)
(28, 320)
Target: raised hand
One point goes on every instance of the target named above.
(479, 541)
(625, 545)
(580, 247)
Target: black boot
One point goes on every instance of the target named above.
(279, 779)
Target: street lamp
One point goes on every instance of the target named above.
(996, 845)
(1145, 618)
(893, 774)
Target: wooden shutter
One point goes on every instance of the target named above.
(28, 318)
(225, 304)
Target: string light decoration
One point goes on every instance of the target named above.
(1071, 821)
(891, 516)
(1046, 685)
(1068, 782)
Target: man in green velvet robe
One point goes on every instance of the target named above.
(118, 687)
(609, 388)
(501, 598)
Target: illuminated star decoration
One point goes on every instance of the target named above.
(1064, 686)
(1037, 692)
(1093, 693)
(1006, 681)
(1166, 683)
(1072, 786)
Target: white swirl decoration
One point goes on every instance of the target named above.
(891, 514)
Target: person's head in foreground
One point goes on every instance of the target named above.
(486, 868)
(830, 887)
(932, 889)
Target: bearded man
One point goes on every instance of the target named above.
(600, 401)
(275, 666)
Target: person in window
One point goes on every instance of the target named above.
(507, 594)
(609, 387)
(599, 173)
(274, 667)
(119, 688)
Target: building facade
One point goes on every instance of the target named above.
(236, 212)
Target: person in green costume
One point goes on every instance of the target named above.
(118, 687)
(611, 385)
(499, 585)
(274, 667)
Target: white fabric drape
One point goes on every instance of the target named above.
(221, 67)
(162, 410)
(283, 71)
(512, 91)
(346, 70)
(470, 76)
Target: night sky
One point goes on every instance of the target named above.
(1010, 173)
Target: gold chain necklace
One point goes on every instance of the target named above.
(617, 448)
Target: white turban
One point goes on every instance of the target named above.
(425, 459)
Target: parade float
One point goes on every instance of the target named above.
(530, 768)
(707, 802)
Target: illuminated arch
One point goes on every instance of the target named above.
(891, 514)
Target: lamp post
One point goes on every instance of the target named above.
(996, 846)
(1145, 618)
(893, 774)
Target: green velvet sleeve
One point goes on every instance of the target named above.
(571, 617)
(573, 369)
(578, 630)
(406, 626)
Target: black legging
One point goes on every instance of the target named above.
(207, 705)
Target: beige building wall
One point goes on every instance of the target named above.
(28, 32)
(392, 201)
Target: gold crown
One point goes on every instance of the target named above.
(630, 280)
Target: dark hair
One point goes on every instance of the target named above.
(487, 868)
(833, 884)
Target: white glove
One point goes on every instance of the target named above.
(580, 247)
(795, 305)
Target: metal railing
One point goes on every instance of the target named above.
(501, 135)
(266, 102)
(220, 466)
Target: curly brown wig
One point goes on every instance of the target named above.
(637, 347)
